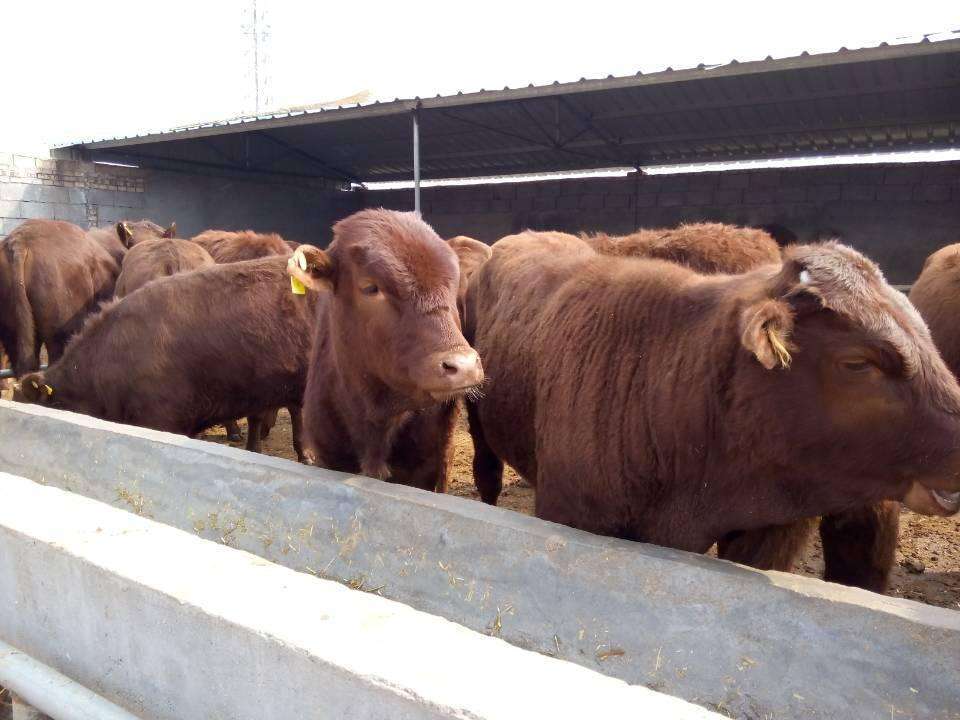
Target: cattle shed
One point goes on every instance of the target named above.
(298, 171)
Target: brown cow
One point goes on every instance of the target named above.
(859, 546)
(706, 247)
(226, 246)
(649, 402)
(117, 239)
(51, 276)
(197, 364)
(154, 259)
(388, 356)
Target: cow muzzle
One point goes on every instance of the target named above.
(926, 501)
(453, 374)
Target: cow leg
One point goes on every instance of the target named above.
(860, 545)
(776, 547)
(254, 428)
(233, 431)
(487, 467)
(24, 360)
(269, 421)
(296, 423)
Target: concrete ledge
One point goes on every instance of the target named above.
(170, 626)
(754, 644)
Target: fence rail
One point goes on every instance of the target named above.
(7, 373)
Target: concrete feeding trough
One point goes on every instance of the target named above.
(750, 643)
(171, 627)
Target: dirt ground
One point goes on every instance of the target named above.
(925, 542)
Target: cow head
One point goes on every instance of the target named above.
(849, 385)
(57, 388)
(393, 304)
(34, 388)
(131, 233)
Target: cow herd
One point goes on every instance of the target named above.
(689, 387)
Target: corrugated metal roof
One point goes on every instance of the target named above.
(889, 97)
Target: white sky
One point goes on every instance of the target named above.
(100, 68)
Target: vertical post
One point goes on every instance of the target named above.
(416, 160)
(636, 196)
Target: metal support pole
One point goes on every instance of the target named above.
(7, 373)
(636, 196)
(416, 160)
(50, 692)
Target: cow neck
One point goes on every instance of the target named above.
(751, 457)
(375, 412)
(715, 462)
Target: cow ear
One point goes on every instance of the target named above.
(124, 233)
(33, 388)
(471, 254)
(765, 329)
(311, 267)
(170, 232)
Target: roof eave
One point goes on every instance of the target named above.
(400, 106)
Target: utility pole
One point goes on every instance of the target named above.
(258, 30)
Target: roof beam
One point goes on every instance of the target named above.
(318, 161)
(517, 136)
(175, 164)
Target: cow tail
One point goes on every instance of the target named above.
(24, 355)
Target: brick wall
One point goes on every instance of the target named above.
(897, 214)
(81, 193)
(88, 195)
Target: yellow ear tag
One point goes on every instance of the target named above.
(297, 287)
(48, 390)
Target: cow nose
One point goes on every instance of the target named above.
(462, 368)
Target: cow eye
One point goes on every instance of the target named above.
(856, 366)
(369, 289)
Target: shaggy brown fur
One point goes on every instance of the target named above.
(706, 247)
(225, 246)
(171, 357)
(117, 239)
(388, 359)
(649, 402)
(51, 276)
(154, 259)
(936, 295)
